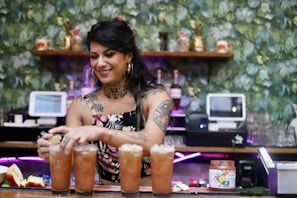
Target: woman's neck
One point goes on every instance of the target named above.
(116, 90)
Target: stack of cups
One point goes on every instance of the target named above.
(84, 159)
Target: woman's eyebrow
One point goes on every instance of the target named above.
(105, 51)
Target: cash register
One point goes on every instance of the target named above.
(47, 105)
(46, 109)
(226, 114)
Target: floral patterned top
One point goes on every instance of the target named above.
(107, 158)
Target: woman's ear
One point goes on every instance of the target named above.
(129, 57)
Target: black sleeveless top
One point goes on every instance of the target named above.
(107, 158)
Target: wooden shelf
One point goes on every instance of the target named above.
(33, 145)
(145, 54)
(188, 54)
(59, 53)
(234, 149)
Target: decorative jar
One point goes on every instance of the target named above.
(76, 43)
(198, 42)
(183, 42)
(76, 40)
(67, 42)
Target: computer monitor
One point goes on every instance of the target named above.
(226, 107)
(48, 105)
(225, 110)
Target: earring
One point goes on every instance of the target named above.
(130, 68)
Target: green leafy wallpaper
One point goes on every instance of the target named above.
(262, 32)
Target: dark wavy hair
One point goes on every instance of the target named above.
(118, 35)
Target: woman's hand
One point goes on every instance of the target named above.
(77, 135)
(43, 144)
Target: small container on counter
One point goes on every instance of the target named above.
(222, 175)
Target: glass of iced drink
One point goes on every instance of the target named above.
(84, 158)
(162, 169)
(130, 159)
(60, 170)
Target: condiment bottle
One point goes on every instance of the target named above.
(222, 175)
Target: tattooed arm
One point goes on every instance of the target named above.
(157, 106)
(156, 109)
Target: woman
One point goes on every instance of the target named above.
(126, 108)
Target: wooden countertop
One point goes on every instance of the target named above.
(246, 149)
(203, 149)
(114, 192)
(18, 144)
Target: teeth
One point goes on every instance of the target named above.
(105, 71)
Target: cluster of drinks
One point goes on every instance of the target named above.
(84, 164)
(130, 159)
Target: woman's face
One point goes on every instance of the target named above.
(109, 66)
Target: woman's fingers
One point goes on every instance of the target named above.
(70, 138)
(43, 152)
(43, 148)
(67, 143)
(59, 129)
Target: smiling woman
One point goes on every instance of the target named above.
(127, 107)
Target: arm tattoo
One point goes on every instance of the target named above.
(134, 135)
(138, 136)
(162, 114)
(153, 91)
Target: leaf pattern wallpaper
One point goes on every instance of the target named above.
(263, 34)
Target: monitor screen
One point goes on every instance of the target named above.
(226, 107)
(47, 104)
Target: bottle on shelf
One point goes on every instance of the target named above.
(70, 94)
(159, 78)
(87, 86)
(175, 91)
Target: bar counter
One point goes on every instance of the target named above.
(114, 192)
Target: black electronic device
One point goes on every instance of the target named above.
(246, 173)
(197, 121)
(223, 139)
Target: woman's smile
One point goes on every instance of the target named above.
(105, 71)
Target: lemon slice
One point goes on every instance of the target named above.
(56, 139)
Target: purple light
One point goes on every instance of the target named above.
(215, 155)
(24, 158)
(7, 159)
(250, 140)
(186, 157)
(31, 158)
(178, 154)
